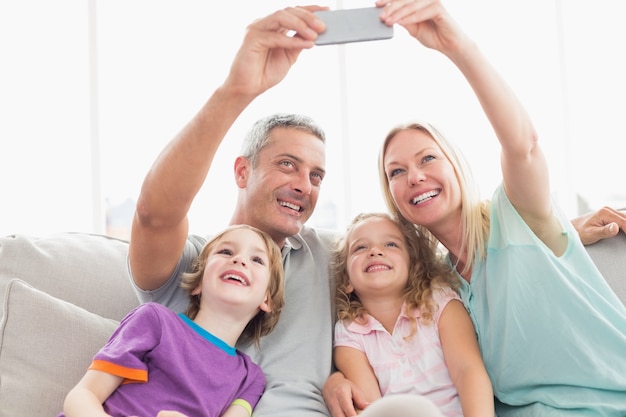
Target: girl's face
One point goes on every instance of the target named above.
(421, 179)
(378, 259)
(237, 272)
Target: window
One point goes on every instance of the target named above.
(90, 92)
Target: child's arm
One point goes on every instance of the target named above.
(87, 396)
(237, 410)
(354, 365)
(465, 364)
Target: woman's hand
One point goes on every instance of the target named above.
(427, 21)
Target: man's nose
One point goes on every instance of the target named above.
(303, 184)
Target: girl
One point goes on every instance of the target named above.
(402, 328)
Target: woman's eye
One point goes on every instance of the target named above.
(428, 158)
(394, 172)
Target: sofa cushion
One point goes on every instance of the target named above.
(85, 269)
(46, 345)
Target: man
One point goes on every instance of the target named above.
(279, 177)
(279, 182)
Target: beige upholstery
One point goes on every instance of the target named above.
(610, 257)
(63, 295)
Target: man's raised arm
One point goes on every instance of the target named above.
(160, 224)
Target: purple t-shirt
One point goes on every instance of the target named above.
(171, 363)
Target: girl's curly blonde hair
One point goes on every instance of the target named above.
(427, 272)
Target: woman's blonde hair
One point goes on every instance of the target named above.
(427, 272)
(475, 214)
(264, 322)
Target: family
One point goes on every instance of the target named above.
(445, 306)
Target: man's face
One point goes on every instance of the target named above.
(282, 190)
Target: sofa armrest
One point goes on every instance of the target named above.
(609, 255)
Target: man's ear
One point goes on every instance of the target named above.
(242, 171)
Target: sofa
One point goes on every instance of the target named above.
(64, 294)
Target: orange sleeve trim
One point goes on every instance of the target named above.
(129, 374)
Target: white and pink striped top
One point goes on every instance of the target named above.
(402, 366)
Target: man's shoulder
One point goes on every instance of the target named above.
(317, 241)
(198, 241)
(151, 309)
(310, 234)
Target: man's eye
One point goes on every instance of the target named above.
(287, 164)
(316, 178)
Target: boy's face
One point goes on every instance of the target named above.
(282, 190)
(237, 274)
(378, 260)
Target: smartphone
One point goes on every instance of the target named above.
(352, 25)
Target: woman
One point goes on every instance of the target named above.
(551, 331)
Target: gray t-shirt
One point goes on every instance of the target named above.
(297, 356)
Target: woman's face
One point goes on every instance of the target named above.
(421, 179)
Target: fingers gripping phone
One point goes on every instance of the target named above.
(352, 25)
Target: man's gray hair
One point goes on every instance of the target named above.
(258, 136)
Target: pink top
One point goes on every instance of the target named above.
(402, 366)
